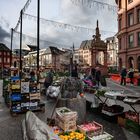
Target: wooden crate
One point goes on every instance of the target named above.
(66, 116)
(66, 126)
(87, 129)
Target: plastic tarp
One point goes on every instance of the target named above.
(35, 129)
(53, 91)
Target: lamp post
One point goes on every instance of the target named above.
(11, 47)
(21, 13)
(38, 37)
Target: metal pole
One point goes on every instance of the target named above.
(2, 64)
(11, 47)
(38, 37)
(21, 43)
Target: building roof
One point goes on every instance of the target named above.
(3, 47)
(55, 50)
(109, 38)
(32, 46)
(86, 44)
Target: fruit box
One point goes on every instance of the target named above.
(91, 129)
(64, 114)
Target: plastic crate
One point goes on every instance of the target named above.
(91, 129)
(104, 136)
(15, 97)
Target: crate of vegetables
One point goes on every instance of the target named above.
(64, 114)
(91, 129)
(74, 135)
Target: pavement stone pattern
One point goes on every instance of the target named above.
(10, 127)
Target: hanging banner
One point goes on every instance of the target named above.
(97, 4)
(65, 26)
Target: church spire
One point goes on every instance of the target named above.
(97, 36)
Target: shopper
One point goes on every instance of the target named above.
(49, 79)
(131, 75)
(98, 76)
(74, 70)
(123, 76)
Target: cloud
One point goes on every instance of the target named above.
(3, 34)
(79, 15)
(4, 22)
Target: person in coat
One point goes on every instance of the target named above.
(131, 75)
(123, 76)
(98, 76)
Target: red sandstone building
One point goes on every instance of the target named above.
(129, 33)
(4, 56)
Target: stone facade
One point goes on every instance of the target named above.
(112, 51)
(129, 33)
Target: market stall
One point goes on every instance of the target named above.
(113, 102)
(24, 94)
(65, 128)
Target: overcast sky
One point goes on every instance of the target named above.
(57, 10)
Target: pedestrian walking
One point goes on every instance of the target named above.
(123, 76)
(131, 75)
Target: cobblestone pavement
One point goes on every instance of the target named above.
(10, 127)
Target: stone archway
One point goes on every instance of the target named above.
(120, 63)
(138, 63)
(100, 58)
(130, 62)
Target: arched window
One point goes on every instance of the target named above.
(131, 62)
(120, 63)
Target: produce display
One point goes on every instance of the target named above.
(91, 129)
(24, 94)
(132, 116)
(75, 135)
(57, 130)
